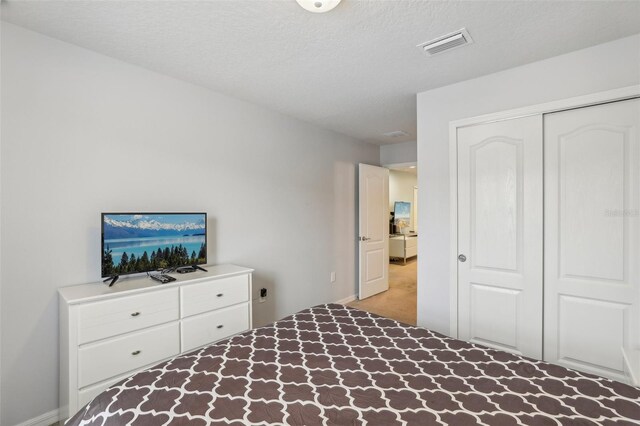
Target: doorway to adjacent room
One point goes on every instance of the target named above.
(399, 302)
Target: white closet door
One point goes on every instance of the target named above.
(591, 236)
(500, 234)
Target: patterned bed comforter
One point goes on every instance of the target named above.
(334, 365)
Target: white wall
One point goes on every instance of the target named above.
(401, 188)
(604, 67)
(1, 25)
(83, 133)
(399, 153)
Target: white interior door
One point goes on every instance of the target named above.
(591, 236)
(373, 229)
(500, 235)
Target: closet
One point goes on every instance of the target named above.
(547, 209)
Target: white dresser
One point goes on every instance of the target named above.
(403, 246)
(107, 333)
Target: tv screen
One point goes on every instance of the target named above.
(141, 242)
(402, 212)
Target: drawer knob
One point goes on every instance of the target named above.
(135, 352)
(220, 326)
(135, 314)
(219, 294)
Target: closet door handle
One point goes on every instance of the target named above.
(135, 352)
(135, 314)
(462, 258)
(220, 326)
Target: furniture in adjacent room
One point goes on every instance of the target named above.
(108, 333)
(403, 246)
(567, 292)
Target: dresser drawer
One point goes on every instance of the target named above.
(109, 358)
(112, 317)
(206, 328)
(412, 242)
(215, 294)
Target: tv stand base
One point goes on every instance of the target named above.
(113, 280)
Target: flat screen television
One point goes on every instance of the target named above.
(402, 212)
(142, 242)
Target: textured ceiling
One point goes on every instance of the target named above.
(354, 70)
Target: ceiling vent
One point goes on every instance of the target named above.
(396, 134)
(447, 42)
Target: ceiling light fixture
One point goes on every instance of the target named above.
(318, 6)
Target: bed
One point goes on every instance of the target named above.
(335, 365)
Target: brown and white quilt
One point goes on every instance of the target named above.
(334, 365)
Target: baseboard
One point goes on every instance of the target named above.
(347, 299)
(45, 419)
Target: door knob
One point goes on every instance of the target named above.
(364, 239)
(462, 258)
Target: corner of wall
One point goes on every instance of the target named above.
(0, 218)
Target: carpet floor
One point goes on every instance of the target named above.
(399, 302)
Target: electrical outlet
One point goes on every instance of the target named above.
(263, 295)
(333, 277)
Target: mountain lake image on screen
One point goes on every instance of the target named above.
(402, 212)
(141, 242)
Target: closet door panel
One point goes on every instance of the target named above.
(491, 326)
(496, 174)
(591, 176)
(591, 236)
(500, 235)
(584, 321)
